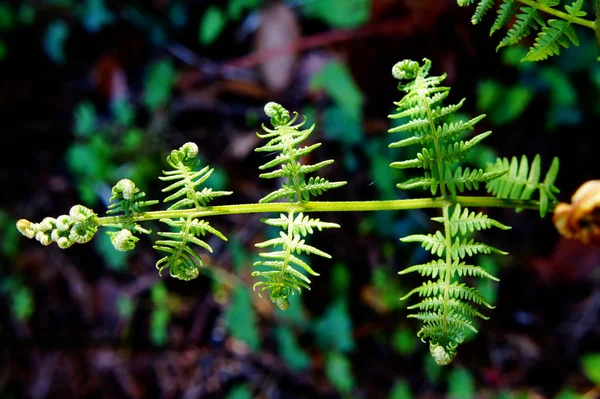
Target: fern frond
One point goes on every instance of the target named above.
(522, 180)
(527, 20)
(182, 261)
(554, 34)
(468, 179)
(482, 8)
(505, 12)
(438, 267)
(468, 222)
(448, 308)
(184, 161)
(285, 138)
(286, 279)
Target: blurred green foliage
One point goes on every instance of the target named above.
(339, 14)
(21, 298)
(461, 384)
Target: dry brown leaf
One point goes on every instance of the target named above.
(278, 29)
(580, 220)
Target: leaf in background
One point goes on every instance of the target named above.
(26, 14)
(340, 280)
(292, 353)
(9, 236)
(335, 79)
(569, 393)
(339, 372)
(502, 105)
(3, 50)
(334, 329)
(279, 28)
(94, 15)
(125, 307)
(590, 364)
(339, 14)
(563, 98)
(241, 319)
(401, 390)
(7, 18)
(239, 392)
(159, 323)
(235, 8)
(212, 23)
(178, 15)
(22, 303)
(159, 83)
(123, 111)
(160, 316)
(54, 41)
(339, 125)
(85, 119)
(404, 341)
(461, 384)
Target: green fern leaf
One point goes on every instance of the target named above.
(527, 20)
(482, 8)
(522, 180)
(465, 222)
(285, 279)
(557, 34)
(505, 12)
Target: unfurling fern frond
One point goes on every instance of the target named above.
(553, 35)
(285, 278)
(127, 200)
(285, 138)
(448, 305)
(522, 180)
(422, 104)
(181, 259)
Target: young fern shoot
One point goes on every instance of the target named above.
(282, 278)
(448, 305)
(182, 260)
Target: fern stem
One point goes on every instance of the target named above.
(560, 14)
(329, 206)
(448, 271)
(436, 143)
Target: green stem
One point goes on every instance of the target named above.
(560, 14)
(448, 271)
(317, 206)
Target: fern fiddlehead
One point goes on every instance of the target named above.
(282, 278)
(448, 305)
(552, 34)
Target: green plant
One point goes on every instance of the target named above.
(448, 306)
(552, 34)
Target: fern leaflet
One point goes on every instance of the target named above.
(284, 268)
(181, 260)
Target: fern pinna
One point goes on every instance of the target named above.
(552, 34)
(282, 278)
(448, 305)
(181, 259)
